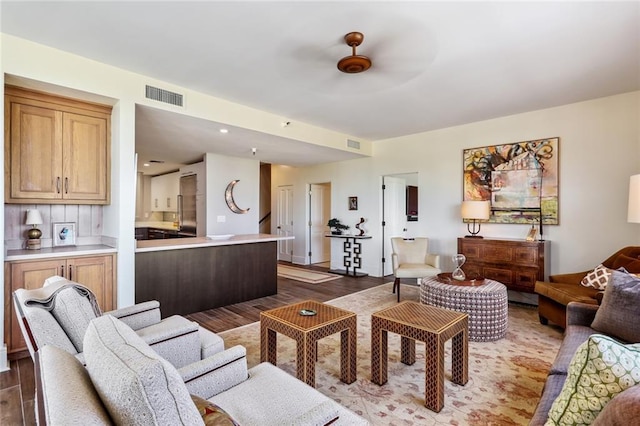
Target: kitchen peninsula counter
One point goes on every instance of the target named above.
(189, 275)
(183, 243)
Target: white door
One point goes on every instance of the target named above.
(319, 211)
(284, 226)
(394, 198)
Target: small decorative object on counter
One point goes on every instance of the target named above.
(34, 218)
(336, 226)
(458, 261)
(533, 232)
(362, 231)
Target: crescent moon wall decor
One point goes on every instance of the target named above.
(228, 197)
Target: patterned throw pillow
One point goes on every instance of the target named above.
(601, 369)
(212, 414)
(598, 278)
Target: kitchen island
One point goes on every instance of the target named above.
(190, 275)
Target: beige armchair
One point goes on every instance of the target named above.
(411, 259)
(59, 313)
(125, 382)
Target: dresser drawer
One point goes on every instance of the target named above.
(518, 264)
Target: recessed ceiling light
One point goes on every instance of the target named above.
(224, 131)
(146, 164)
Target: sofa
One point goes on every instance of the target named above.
(617, 319)
(126, 382)
(560, 290)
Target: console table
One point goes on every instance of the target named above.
(351, 260)
(518, 264)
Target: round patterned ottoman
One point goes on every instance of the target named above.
(487, 305)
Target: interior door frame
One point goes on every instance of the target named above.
(285, 247)
(386, 257)
(310, 224)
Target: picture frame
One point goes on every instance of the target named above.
(64, 234)
(520, 180)
(353, 203)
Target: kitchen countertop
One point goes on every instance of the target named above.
(51, 252)
(144, 246)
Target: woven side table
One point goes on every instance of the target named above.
(306, 331)
(487, 305)
(433, 326)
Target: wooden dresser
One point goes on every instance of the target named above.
(518, 264)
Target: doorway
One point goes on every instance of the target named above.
(284, 225)
(319, 215)
(394, 212)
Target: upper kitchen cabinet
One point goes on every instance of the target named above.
(57, 150)
(164, 192)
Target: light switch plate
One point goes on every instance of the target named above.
(222, 218)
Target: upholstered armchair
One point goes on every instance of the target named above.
(411, 259)
(125, 382)
(59, 313)
(555, 295)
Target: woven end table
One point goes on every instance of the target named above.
(433, 326)
(306, 331)
(487, 305)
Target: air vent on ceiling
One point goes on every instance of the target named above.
(162, 95)
(353, 144)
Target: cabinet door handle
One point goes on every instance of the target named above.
(70, 273)
(155, 200)
(62, 270)
(58, 184)
(66, 185)
(169, 202)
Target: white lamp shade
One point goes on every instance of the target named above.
(479, 210)
(634, 199)
(33, 218)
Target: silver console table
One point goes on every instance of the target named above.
(351, 260)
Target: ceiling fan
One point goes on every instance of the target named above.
(354, 63)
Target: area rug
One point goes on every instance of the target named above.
(505, 377)
(305, 275)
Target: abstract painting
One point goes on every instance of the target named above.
(519, 179)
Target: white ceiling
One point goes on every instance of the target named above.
(435, 64)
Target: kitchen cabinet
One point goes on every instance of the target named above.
(57, 149)
(164, 192)
(518, 264)
(94, 272)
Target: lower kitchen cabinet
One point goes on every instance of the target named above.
(94, 272)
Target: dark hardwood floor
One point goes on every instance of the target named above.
(17, 386)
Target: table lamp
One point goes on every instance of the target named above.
(475, 211)
(634, 199)
(33, 218)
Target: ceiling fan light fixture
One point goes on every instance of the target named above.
(355, 63)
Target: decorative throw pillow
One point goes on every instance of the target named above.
(598, 278)
(212, 414)
(601, 369)
(618, 315)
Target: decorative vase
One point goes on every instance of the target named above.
(458, 261)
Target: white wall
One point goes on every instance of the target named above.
(221, 170)
(599, 150)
